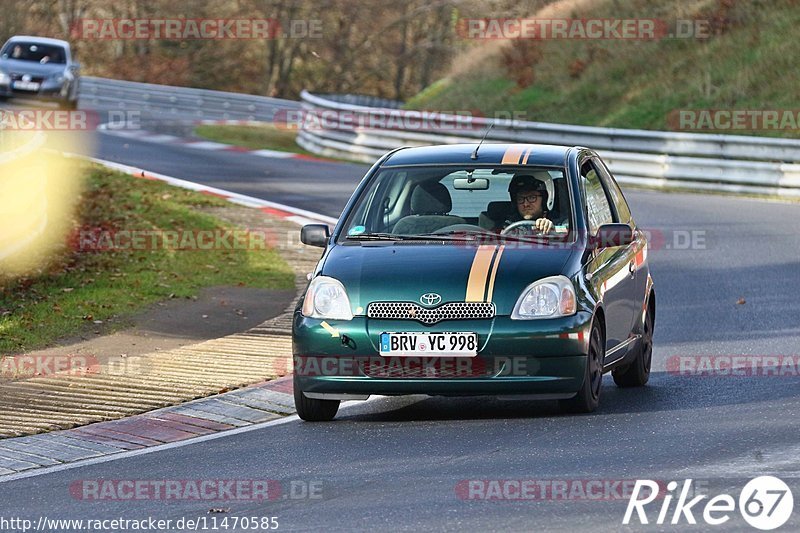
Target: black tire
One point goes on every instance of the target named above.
(588, 397)
(313, 410)
(637, 373)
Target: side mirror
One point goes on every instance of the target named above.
(315, 235)
(76, 66)
(611, 235)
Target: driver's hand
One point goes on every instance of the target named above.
(544, 225)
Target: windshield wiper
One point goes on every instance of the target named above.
(537, 239)
(396, 237)
(495, 237)
(374, 237)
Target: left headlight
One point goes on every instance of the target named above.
(547, 298)
(327, 298)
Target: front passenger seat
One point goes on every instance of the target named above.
(496, 214)
(430, 205)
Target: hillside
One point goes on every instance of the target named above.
(746, 63)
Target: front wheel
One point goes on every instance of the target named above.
(588, 397)
(312, 409)
(637, 373)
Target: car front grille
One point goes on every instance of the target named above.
(425, 315)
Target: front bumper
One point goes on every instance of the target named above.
(515, 357)
(49, 90)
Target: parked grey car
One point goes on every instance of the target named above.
(41, 68)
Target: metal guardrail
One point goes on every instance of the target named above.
(696, 161)
(180, 102)
(363, 100)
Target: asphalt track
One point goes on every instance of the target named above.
(396, 463)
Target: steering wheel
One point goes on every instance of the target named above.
(513, 227)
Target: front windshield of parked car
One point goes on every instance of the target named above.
(36, 52)
(413, 202)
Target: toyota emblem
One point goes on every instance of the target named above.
(26, 77)
(430, 298)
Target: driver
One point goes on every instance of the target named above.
(529, 197)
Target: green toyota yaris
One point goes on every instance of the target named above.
(509, 270)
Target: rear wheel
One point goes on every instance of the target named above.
(588, 397)
(637, 373)
(312, 409)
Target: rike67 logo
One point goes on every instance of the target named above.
(765, 503)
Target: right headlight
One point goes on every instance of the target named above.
(4, 78)
(547, 298)
(327, 298)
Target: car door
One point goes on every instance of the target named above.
(638, 248)
(611, 268)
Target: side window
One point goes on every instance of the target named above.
(623, 211)
(597, 206)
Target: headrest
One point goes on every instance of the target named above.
(499, 210)
(431, 198)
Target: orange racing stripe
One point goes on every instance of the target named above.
(494, 272)
(476, 284)
(512, 154)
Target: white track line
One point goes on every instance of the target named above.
(301, 216)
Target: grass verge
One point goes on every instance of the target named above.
(80, 289)
(261, 137)
(739, 61)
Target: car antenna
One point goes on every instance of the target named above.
(475, 153)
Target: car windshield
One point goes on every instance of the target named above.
(448, 203)
(36, 52)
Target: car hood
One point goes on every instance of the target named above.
(32, 68)
(403, 272)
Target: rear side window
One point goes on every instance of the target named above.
(623, 211)
(597, 207)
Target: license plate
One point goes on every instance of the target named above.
(458, 344)
(26, 85)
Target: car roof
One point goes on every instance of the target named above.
(488, 154)
(40, 40)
